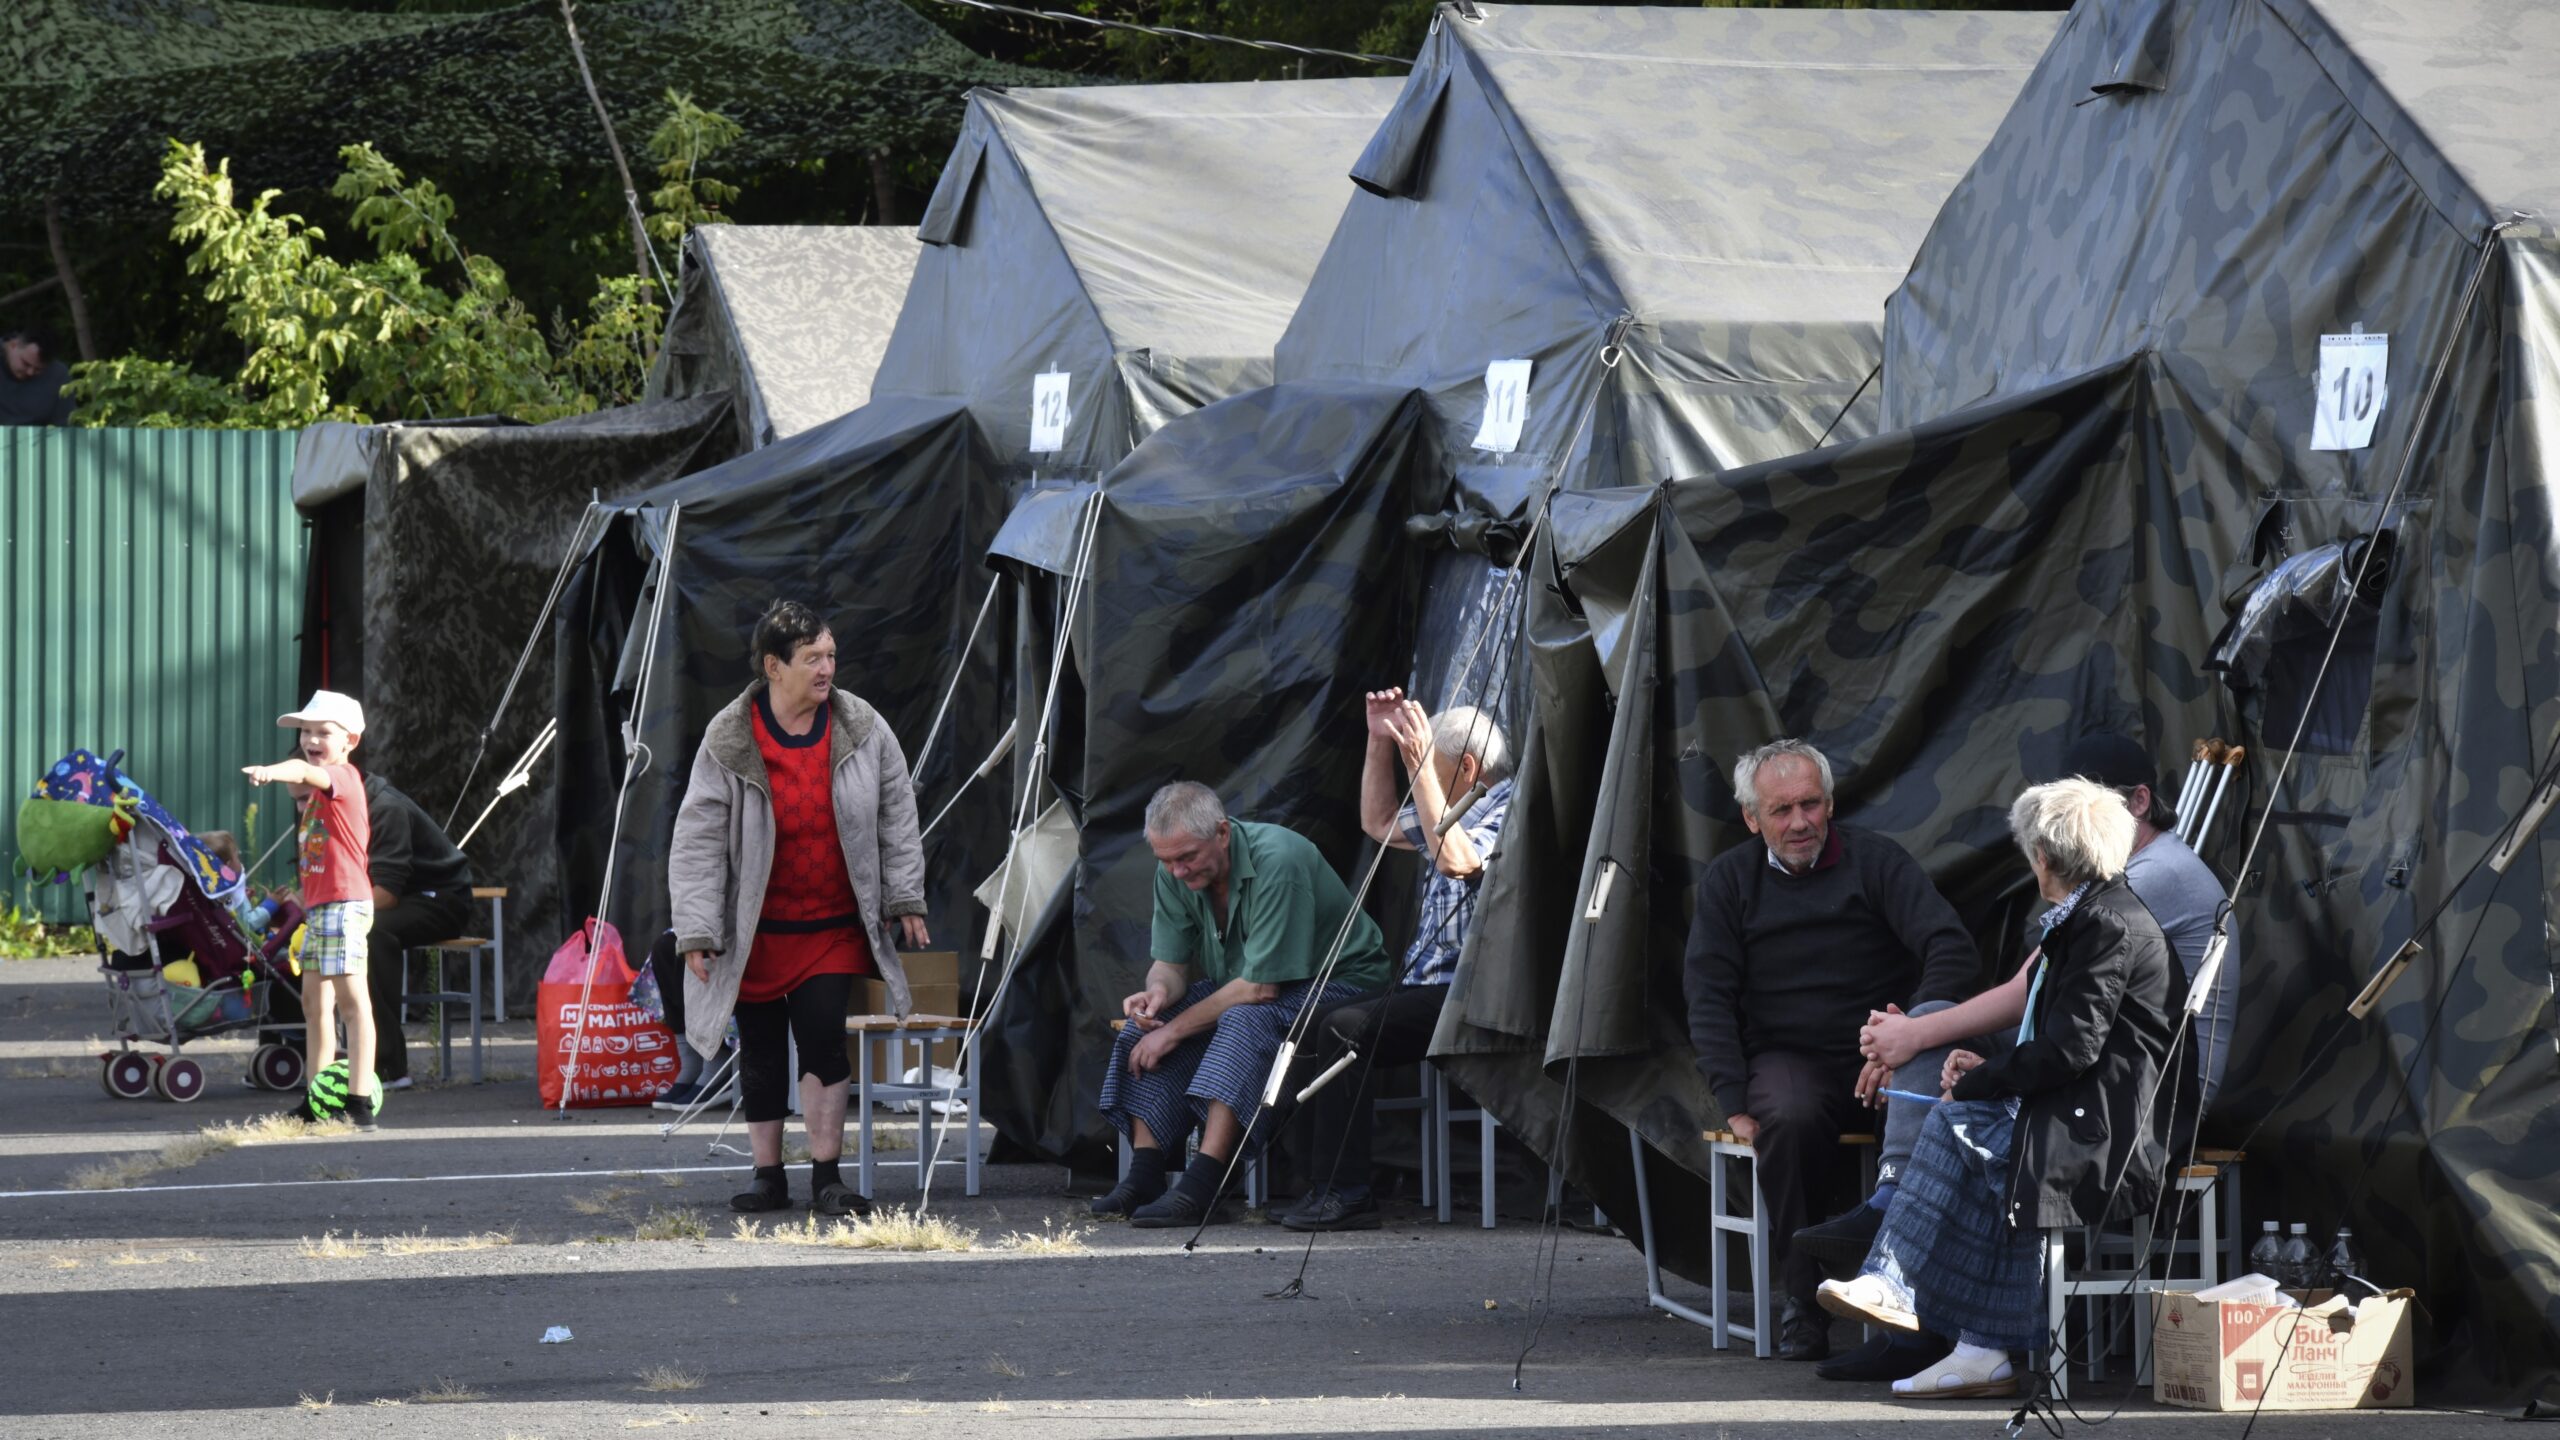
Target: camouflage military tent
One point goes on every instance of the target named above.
(2111, 499)
(1743, 187)
(789, 319)
(96, 87)
(1144, 243)
(868, 518)
(428, 572)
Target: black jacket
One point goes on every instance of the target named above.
(2103, 1021)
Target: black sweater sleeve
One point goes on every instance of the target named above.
(2091, 955)
(390, 853)
(1950, 966)
(1713, 975)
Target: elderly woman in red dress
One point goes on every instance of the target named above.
(795, 850)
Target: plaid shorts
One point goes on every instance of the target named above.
(333, 938)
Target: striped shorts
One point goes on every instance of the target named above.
(333, 937)
(1227, 1065)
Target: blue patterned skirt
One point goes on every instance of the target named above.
(1947, 1240)
(1227, 1065)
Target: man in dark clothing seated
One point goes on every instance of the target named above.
(421, 894)
(1799, 934)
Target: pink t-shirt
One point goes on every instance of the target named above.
(336, 833)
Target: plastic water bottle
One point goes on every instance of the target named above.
(2267, 1256)
(2301, 1263)
(2344, 1265)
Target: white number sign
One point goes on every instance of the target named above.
(1506, 405)
(1049, 413)
(2354, 383)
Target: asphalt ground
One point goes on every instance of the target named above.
(400, 1283)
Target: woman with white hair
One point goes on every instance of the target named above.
(2066, 1128)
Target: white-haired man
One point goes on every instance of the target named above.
(1245, 915)
(1799, 935)
(1458, 759)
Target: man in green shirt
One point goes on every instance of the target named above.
(1245, 915)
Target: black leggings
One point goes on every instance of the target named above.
(814, 1016)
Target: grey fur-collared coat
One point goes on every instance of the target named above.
(723, 851)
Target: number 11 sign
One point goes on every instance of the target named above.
(2354, 371)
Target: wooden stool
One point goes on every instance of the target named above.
(469, 948)
(924, 1032)
(1752, 1228)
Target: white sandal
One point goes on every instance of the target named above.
(1869, 1300)
(1983, 1375)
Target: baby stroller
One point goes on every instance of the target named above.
(175, 936)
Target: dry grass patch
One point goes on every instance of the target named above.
(188, 1150)
(998, 1365)
(899, 1229)
(668, 1416)
(664, 1224)
(330, 1247)
(901, 1378)
(1053, 1239)
(607, 1201)
(305, 1402)
(136, 1257)
(445, 1392)
(335, 1172)
(658, 1379)
(994, 1407)
(423, 1243)
(65, 1262)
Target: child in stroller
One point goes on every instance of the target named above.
(176, 944)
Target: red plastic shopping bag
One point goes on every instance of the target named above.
(624, 1057)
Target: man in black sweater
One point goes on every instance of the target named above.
(1798, 936)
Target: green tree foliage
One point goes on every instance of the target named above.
(687, 137)
(421, 328)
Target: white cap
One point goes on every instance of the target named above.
(326, 706)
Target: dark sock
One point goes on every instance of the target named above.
(823, 1173)
(1199, 1182)
(1882, 1200)
(1146, 1172)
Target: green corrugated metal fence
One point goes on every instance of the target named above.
(152, 592)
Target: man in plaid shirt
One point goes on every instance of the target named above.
(1459, 759)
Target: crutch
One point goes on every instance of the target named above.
(2230, 759)
(2187, 791)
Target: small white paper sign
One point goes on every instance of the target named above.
(1506, 405)
(1049, 413)
(2354, 382)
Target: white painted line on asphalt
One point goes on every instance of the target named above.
(597, 1174)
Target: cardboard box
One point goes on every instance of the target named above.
(933, 983)
(2224, 1355)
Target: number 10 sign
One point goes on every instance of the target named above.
(2353, 384)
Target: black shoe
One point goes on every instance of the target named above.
(1804, 1332)
(770, 1192)
(1840, 1244)
(1176, 1209)
(1327, 1212)
(1125, 1199)
(360, 1111)
(840, 1199)
(1889, 1356)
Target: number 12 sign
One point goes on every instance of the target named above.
(2354, 372)
(1049, 413)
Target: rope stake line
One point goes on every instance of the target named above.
(524, 658)
(632, 765)
(1170, 32)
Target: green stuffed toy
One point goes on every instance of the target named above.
(57, 838)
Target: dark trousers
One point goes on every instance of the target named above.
(1803, 1105)
(813, 1015)
(1388, 1030)
(416, 921)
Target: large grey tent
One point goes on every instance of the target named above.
(434, 547)
(1145, 242)
(2224, 386)
(1741, 189)
(791, 320)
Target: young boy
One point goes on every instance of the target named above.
(337, 887)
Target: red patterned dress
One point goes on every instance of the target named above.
(811, 924)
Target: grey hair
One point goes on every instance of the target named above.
(1463, 730)
(2080, 827)
(1746, 771)
(1186, 807)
